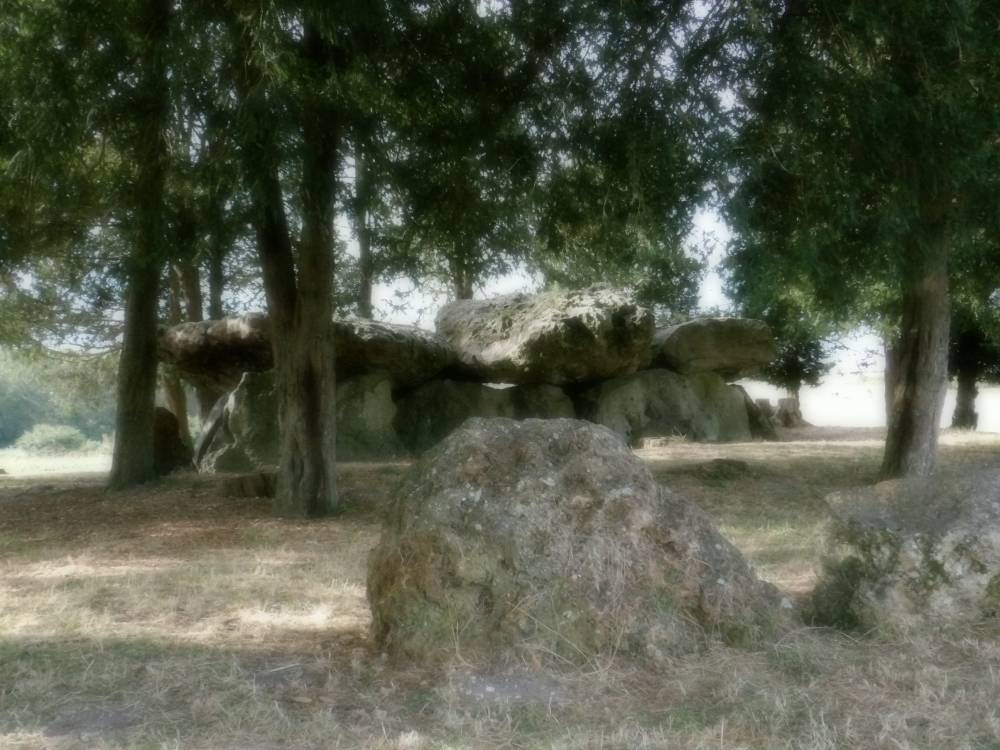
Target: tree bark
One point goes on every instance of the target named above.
(132, 461)
(917, 380)
(362, 206)
(190, 281)
(172, 386)
(965, 416)
(300, 310)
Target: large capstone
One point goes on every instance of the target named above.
(549, 539)
(216, 353)
(406, 354)
(555, 337)
(433, 411)
(732, 347)
(922, 552)
(661, 403)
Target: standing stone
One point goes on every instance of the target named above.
(759, 415)
(366, 420)
(732, 347)
(244, 436)
(661, 403)
(247, 438)
(549, 539)
(922, 553)
(555, 337)
(789, 413)
(170, 452)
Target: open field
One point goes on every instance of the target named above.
(176, 617)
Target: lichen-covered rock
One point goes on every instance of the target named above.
(366, 415)
(407, 354)
(246, 436)
(922, 552)
(759, 416)
(241, 433)
(549, 538)
(216, 353)
(555, 337)
(433, 411)
(661, 403)
(789, 413)
(732, 347)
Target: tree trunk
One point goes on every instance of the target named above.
(172, 387)
(300, 313)
(362, 205)
(918, 376)
(965, 416)
(216, 279)
(132, 461)
(461, 277)
(190, 280)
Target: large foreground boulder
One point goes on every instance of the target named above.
(433, 411)
(541, 538)
(216, 353)
(732, 347)
(555, 337)
(661, 403)
(922, 553)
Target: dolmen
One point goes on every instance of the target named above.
(591, 354)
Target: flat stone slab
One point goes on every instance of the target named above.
(218, 352)
(732, 347)
(555, 337)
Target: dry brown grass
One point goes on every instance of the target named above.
(173, 617)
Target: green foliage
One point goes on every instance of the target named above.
(52, 439)
(64, 389)
(869, 135)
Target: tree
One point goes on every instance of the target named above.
(867, 138)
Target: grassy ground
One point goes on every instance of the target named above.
(176, 617)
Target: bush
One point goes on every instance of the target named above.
(53, 439)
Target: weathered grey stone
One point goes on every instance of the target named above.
(661, 403)
(247, 437)
(923, 552)
(789, 413)
(365, 420)
(759, 416)
(555, 337)
(549, 538)
(407, 354)
(243, 435)
(732, 347)
(216, 353)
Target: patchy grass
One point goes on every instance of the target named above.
(174, 617)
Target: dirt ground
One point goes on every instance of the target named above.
(177, 617)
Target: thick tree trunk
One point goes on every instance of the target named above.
(216, 280)
(918, 376)
(362, 195)
(172, 387)
(461, 277)
(132, 461)
(190, 280)
(300, 312)
(965, 416)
